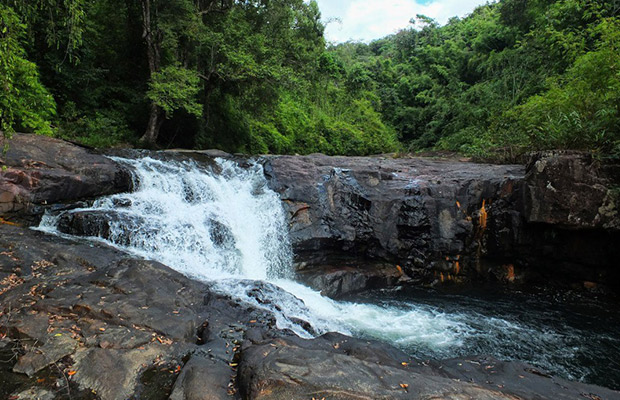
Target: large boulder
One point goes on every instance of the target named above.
(419, 214)
(560, 225)
(556, 220)
(40, 170)
(98, 321)
(86, 319)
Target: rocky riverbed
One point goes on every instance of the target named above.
(82, 320)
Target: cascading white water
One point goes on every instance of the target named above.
(224, 225)
(205, 225)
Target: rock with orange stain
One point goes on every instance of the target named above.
(414, 212)
(590, 285)
(483, 216)
(510, 273)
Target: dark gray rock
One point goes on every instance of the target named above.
(204, 377)
(116, 327)
(337, 367)
(342, 280)
(39, 170)
(103, 321)
(559, 226)
(39, 357)
(552, 222)
(94, 311)
(99, 223)
(114, 374)
(521, 380)
(420, 214)
(104, 224)
(572, 190)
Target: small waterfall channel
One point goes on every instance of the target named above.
(222, 224)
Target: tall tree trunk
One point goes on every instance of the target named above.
(152, 128)
(153, 43)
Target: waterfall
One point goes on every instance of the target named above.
(220, 223)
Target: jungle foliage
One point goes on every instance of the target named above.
(514, 76)
(257, 76)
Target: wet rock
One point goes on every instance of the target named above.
(114, 324)
(118, 326)
(203, 377)
(559, 226)
(39, 170)
(121, 227)
(107, 315)
(207, 154)
(555, 221)
(99, 224)
(519, 379)
(282, 369)
(340, 281)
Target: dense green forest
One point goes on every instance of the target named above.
(257, 76)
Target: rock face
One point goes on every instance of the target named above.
(572, 190)
(439, 221)
(561, 224)
(421, 214)
(39, 170)
(107, 326)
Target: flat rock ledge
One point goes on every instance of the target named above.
(84, 321)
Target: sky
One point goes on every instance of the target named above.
(366, 20)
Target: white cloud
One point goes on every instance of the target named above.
(366, 20)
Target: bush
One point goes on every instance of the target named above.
(105, 128)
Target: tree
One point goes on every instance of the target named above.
(57, 23)
(25, 104)
(174, 33)
(152, 36)
(175, 88)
